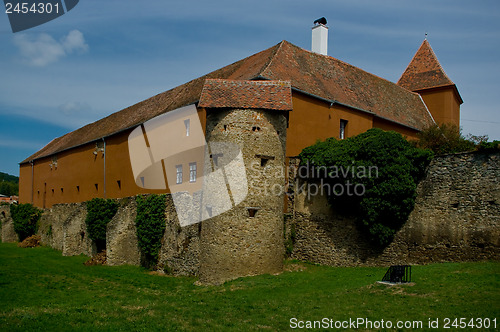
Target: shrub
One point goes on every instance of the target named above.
(99, 213)
(489, 146)
(25, 218)
(150, 224)
(447, 138)
(385, 165)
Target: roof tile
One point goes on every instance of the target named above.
(275, 95)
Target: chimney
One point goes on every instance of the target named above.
(320, 37)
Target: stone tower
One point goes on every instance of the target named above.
(247, 239)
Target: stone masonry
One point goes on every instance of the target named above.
(456, 218)
(248, 239)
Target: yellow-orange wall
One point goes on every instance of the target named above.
(79, 170)
(443, 104)
(312, 119)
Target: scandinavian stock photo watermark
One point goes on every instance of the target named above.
(320, 180)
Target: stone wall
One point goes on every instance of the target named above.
(7, 233)
(456, 218)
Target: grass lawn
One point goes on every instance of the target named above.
(42, 290)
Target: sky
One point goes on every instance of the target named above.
(103, 56)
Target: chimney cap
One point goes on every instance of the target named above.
(321, 21)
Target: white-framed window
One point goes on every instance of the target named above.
(343, 128)
(187, 124)
(178, 170)
(192, 172)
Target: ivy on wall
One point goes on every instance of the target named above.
(373, 175)
(150, 225)
(25, 218)
(99, 213)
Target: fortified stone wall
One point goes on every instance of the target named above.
(7, 233)
(456, 218)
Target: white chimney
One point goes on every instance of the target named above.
(320, 37)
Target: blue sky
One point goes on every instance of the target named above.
(103, 56)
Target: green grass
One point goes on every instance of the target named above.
(41, 290)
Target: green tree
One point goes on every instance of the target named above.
(384, 164)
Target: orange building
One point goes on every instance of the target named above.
(330, 98)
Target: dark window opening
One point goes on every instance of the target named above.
(454, 205)
(343, 129)
(96, 186)
(255, 128)
(252, 211)
(62, 190)
(119, 184)
(215, 158)
(52, 191)
(78, 188)
(264, 159)
(225, 127)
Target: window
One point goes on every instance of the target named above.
(187, 125)
(178, 169)
(343, 128)
(192, 172)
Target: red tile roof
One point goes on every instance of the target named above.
(273, 95)
(312, 73)
(424, 71)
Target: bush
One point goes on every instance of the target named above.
(447, 138)
(384, 165)
(25, 218)
(99, 213)
(489, 146)
(150, 224)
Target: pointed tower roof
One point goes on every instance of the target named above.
(424, 71)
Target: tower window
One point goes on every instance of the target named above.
(264, 159)
(192, 172)
(178, 170)
(119, 184)
(252, 211)
(187, 125)
(343, 128)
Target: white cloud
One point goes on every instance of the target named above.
(43, 49)
(73, 107)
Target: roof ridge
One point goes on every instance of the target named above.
(271, 58)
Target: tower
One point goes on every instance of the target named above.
(425, 76)
(248, 238)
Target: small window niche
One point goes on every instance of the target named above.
(187, 124)
(264, 159)
(255, 128)
(96, 185)
(215, 157)
(119, 183)
(252, 211)
(343, 129)
(209, 210)
(78, 189)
